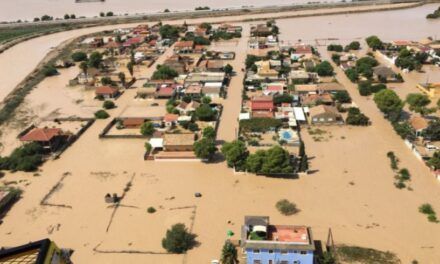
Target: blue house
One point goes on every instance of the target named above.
(264, 243)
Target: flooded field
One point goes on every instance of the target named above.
(12, 10)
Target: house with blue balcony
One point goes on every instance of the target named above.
(264, 243)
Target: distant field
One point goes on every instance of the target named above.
(11, 33)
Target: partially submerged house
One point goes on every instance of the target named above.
(263, 242)
(48, 138)
(324, 114)
(40, 252)
(384, 74)
(178, 142)
(106, 92)
(184, 47)
(262, 106)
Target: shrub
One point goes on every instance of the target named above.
(164, 73)
(25, 158)
(356, 118)
(259, 124)
(108, 104)
(151, 210)
(324, 69)
(147, 129)
(335, 47)
(101, 114)
(49, 70)
(79, 56)
(426, 209)
(286, 207)
(178, 239)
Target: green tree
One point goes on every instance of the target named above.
(228, 69)
(50, 70)
(205, 113)
(79, 56)
(277, 160)
(254, 162)
(389, 103)
(352, 74)
(122, 78)
(206, 100)
(164, 72)
(147, 129)
(169, 32)
(434, 161)
(404, 130)
(178, 239)
(354, 45)
(229, 254)
(108, 104)
(342, 97)
(205, 148)
(356, 118)
(84, 68)
(432, 132)
(235, 153)
(101, 114)
(66, 16)
(418, 102)
(95, 60)
(130, 68)
(324, 69)
(374, 42)
(209, 132)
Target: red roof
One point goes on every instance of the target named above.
(41, 134)
(184, 44)
(132, 41)
(170, 118)
(106, 90)
(303, 49)
(165, 91)
(262, 104)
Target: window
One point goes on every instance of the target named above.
(295, 251)
(256, 251)
(284, 252)
(257, 261)
(296, 262)
(270, 261)
(303, 252)
(270, 251)
(284, 262)
(330, 119)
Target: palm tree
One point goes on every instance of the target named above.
(121, 76)
(130, 67)
(229, 253)
(84, 67)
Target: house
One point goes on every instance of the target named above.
(384, 74)
(88, 77)
(106, 92)
(261, 30)
(273, 88)
(184, 47)
(194, 90)
(299, 76)
(211, 66)
(133, 122)
(330, 87)
(300, 51)
(306, 88)
(430, 89)
(324, 114)
(39, 252)
(179, 63)
(263, 242)
(315, 99)
(265, 71)
(212, 92)
(170, 120)
(165, 91)
(419, 124)
(49, 138)
(205, 77)
(148, 91)
(262, 106)
(132, 42)
(187, 108)
(178, 142)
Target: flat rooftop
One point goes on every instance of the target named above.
(289, 233)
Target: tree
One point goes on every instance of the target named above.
(354, 45)
(356, 118)
(335, 47)
(101, 114)
(432, 132)
(205, 148)
(404, 130)
(178, 239)
(228, 69)
(324, 69)
(374, 42)
(109, 14)
(49, 70)
(102, 14)
(79, 56)
(286, 207)
(283, 98)
(28, 158)
(66, 16)
(147, 129)
(235, 153)
(72, 16)
(164, 72)
(209, 132)
(434, 161)
(108, 104)
(169, 32)
(352, 74)
(84, 67)
(418, 102)
(121, 76)
(130, 67)
(277, 160)
(95, 59)
(205, 100)
(205, 113)
(342, 97)
(229, 254)
(389, 103)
